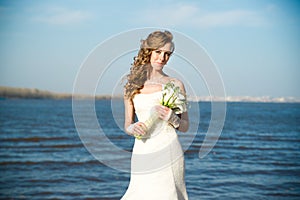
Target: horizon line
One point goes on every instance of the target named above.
(20, 92)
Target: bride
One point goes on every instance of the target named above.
(157, 163)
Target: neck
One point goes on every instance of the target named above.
(156, 75)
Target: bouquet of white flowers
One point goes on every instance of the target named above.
(171, 98)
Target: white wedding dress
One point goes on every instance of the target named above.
(157, 163)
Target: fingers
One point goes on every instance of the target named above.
(143, 127)
(163, 112)
(139, 128)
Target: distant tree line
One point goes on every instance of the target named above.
(27, 93)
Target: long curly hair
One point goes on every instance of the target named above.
(140, 68)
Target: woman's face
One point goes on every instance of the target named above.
(161, 56)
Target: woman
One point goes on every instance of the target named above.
(157, 163)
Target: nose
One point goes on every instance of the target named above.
(162, 56)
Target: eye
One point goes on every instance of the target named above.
(157, 51)
(168, 53)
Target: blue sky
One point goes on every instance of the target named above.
(255, 44)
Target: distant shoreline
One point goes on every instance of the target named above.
(27, 93)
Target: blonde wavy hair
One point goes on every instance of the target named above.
(140, 68)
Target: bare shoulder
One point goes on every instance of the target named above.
(177, 82)
(127, 100)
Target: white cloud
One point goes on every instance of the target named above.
(62, 16)
(170, 16)
(229, 18)
(191, 15)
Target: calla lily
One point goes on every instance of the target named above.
(171, 98)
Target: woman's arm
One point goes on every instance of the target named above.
(130, 127)
(129, 113)
(184, 118)
(184, 122)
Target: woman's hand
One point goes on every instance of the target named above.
(167, 115)
(163, 112)
(137, 129)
